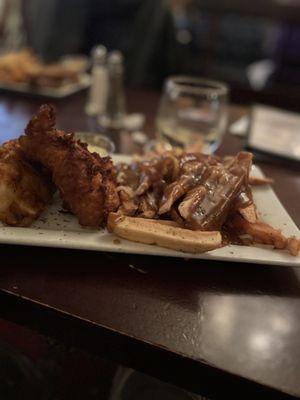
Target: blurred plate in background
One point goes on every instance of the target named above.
(49, 92)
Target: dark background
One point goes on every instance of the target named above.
(254, 46)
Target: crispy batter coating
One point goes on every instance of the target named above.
(24, 190)
(85, 180)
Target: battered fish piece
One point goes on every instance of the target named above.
(86, 181)
(24, 190)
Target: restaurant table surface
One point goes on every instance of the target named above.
(207, 326)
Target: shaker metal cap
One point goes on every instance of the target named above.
(115, 57)
(99, 53)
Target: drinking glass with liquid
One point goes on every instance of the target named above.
(193, 112)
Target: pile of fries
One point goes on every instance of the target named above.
(192, 203)
(170, 235)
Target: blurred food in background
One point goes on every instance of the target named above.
(252, 46)
(25, 67)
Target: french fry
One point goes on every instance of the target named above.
(249, 213)
(293, 245)
(254, 181)
(165, 235)
(260, 232)
(165, 222)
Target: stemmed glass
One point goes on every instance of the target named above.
(192, 111)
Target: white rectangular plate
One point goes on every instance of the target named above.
(54, 93)
(56, 229)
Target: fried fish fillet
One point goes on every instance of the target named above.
(24, 190)
(85, 180)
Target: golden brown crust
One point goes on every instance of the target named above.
(24, 190)
(85, 180)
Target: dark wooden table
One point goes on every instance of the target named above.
(212, 327)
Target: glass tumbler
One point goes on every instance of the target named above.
(193, 112)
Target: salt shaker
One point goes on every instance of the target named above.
(99, 82)
(115, 101)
